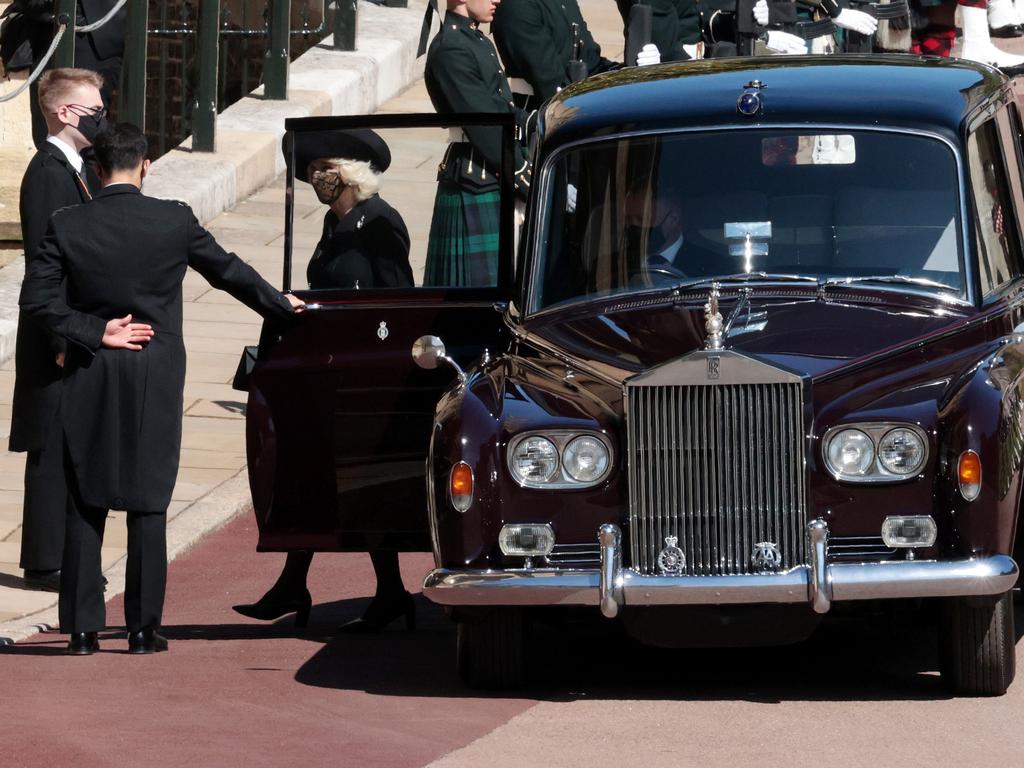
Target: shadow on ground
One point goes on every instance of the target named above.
(887, 655)
(883, 656)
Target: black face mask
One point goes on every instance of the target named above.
(645, 240)
(91, 126)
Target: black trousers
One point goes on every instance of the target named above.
(45, 505)
(81, 607)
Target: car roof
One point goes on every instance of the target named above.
(922, 93)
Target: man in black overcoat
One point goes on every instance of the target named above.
(56, 177)
(124, 257)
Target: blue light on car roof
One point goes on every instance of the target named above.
(749, 102)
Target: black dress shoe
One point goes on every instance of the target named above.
(275, 605)
(83, 644)
(146, 640)
(1009, 30)
(44, 581)
(382, 611)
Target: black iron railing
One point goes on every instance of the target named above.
(187, 60)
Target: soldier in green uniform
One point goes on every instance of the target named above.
(463, 75)
(537, 40)
(675, 25)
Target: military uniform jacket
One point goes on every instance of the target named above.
(368, 247)
(463, 74)
(673, 24)
(121, 409)
(49, 183)
(535, 40)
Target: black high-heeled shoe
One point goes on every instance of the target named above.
(381, 612)
(275, 605)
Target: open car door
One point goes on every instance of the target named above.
(339, 415)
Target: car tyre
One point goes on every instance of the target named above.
(491, 649)
(977, 653)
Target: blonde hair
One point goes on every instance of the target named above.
(358, 174)
(56, 85)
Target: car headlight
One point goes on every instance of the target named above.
(850, 452)
(534, 459)
(875, 452)
(560, 458)
(901, 451)
(585, 459)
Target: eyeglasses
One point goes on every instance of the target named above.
(94, 111)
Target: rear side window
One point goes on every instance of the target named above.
(999, 257)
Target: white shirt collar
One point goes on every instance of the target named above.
(670, 252)
(69, 152)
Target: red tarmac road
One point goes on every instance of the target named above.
(234, 692)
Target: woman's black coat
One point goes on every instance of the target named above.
(121, 409)
(367, 248)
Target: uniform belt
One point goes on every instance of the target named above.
(520, 86)
(895, 10)
(808, 30)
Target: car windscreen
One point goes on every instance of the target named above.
(644, 212)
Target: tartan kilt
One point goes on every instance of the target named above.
(462, 249)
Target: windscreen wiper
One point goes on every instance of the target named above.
(902, 279)
(745, 277)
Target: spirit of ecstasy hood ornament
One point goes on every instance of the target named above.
(713, 322)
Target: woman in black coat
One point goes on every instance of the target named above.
(365, 244)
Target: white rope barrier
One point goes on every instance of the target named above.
(53, 48)
(97, 24)
(39, 67)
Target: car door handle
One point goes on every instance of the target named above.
(312, 306)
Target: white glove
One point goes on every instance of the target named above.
(648, 55)
(783, 42)
(856, 21)
(761, 12)
(570, 198)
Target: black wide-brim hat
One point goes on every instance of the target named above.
(353, 144)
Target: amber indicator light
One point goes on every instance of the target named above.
(461, 486)
(969, 474)
(970, 467)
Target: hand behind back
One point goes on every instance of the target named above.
(122, 333)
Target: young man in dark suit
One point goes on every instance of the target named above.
(56, 177)
(124, 257)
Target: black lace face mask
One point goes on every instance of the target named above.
(327, 185)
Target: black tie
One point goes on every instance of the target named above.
(81, 183)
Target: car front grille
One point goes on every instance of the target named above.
(858, 548)
(721, 469)
(575, 556)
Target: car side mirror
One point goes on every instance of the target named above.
(428, 352)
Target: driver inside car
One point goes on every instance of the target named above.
(654, 232)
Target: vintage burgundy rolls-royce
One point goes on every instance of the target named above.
(762, 353)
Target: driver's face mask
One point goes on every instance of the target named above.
(647, 240)
(327, 185)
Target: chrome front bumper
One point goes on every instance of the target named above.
(819, 584)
